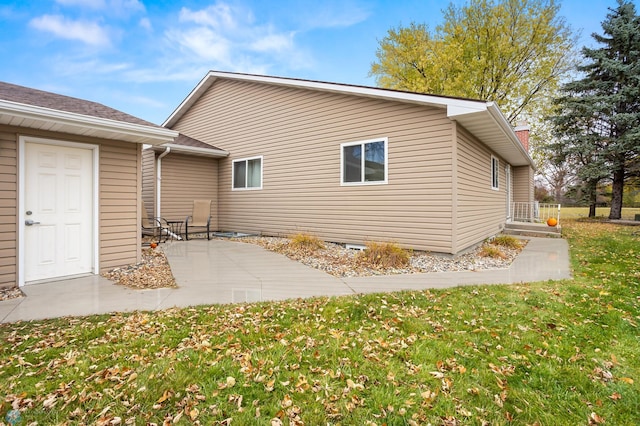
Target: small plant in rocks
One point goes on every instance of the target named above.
(306, 242)
(386, 255)
(507, 241)
(492, 251)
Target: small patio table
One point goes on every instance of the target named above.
(175, 229)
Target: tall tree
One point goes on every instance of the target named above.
(513, 52)
(598, 115)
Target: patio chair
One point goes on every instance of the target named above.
(200, 218)
(155, 226)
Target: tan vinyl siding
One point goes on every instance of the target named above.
(298, 133)
(522, 184)
(186, 178)
(119, 200)
(481, 210)
(149, 181)
(8, 209)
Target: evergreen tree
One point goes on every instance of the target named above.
(598, 116)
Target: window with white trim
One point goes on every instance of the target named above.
(495, 172)
(364, 162)
(247, 173)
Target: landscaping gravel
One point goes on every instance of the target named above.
(339, 261)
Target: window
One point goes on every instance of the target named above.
(364, 162)
(247, 173)
(495, 172)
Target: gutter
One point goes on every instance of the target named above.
(151, 134)
(159, 180)
(193, 150)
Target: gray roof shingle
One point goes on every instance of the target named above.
(185, 140)
(40, 98)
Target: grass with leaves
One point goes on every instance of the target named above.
(548, 353)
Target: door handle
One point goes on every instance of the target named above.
(30, 222)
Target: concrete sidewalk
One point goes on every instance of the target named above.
(218, 271)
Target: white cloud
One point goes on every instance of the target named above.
(204, 43)
(217, 16)
(331, 14)
(88, 32)
(145, 23)
(125, 7)
(273, 43)
(64, 65)
(228, 38)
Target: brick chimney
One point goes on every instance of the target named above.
(522, 132)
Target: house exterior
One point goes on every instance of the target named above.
(70, 185)
(347, 163)
(175, 174)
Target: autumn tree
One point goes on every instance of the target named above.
(513, 52)
(598, 116)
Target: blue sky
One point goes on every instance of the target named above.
(143, 57)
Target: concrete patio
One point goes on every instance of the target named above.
(219, 271)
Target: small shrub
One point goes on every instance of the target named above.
(306, 242)
(387, 255)
(508, 241)
(492, 251)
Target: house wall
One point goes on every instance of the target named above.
(186, 178)
(523, 184)
(299, 133)
(119, 187)
(149, 181)
(8, 209)
(481, 210)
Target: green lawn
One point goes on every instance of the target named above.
(580, 212)
(548, 353)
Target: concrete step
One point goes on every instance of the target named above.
(532, 229)
(526, 233)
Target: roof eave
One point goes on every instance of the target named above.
(509, 132)
(192, 150)
(373, 92)
(68, 122)
(501, 138)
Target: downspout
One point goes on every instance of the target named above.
(159, 180)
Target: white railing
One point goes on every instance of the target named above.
(535, 212)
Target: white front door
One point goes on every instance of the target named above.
(58, 211)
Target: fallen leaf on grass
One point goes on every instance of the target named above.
(166, 395)
(595, 419)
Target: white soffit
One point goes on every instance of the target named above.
(40, 118)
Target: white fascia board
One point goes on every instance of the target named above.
(194, 150)
(466, 105)
(351, 89)
(155, 135)
(191, 98)
(455, 109)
